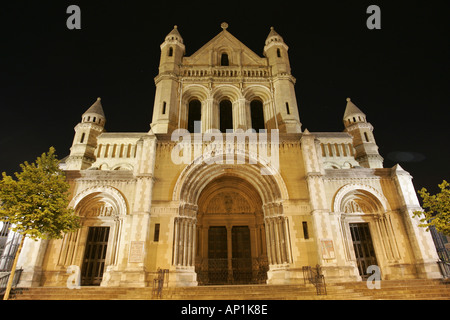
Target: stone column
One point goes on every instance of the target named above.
(278, 244)
(208, 114)
(277, 235)
(183, 262)
(184, 242)
(384, 228)
(241, 114)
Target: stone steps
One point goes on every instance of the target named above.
(391, 290)
(404, 289)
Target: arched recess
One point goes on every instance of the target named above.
(226, 116)
(224, 59)
(270, 189)
(200, 172)
(257, 115)
(193, 92)
(224, 56)
(194, 114)
(257, 91)
(238, 252)
(360, 205)
(226, 91)
(263, 94)
(366, 194)
(100, 206)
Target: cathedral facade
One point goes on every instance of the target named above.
(226, 187)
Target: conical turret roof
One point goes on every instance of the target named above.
(351, 109)
(174, 35)
(273, 36)
(96, 108)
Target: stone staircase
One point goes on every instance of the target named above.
(390, 290)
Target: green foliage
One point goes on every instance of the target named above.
(36, 202)
(437, 207)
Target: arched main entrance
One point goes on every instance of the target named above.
(264, 194)
(231, 243)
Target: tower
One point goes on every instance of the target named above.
(85, 141)
(165, 109)
(356, 124)
(276, 52)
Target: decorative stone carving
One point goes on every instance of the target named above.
(342, 197)
(99, 201)
(353, 206)
(100, 210)
(229, 202)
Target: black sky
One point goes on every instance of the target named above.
(399, 75)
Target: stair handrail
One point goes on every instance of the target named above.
(4, 280)
(314, 276)
(444, 267)
(158, 282)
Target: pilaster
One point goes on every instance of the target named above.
(138, 223)
(30, 260)
(328, 246)
(421, 242)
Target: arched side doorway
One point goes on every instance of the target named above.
(367, 229)
(231, 246)
(95, 245)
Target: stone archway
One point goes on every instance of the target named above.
(198, 177)
(369, 236)
(102, 210)
(231, 246)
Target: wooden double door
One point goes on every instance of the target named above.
(229, 267)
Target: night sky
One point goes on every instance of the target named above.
(398, 76)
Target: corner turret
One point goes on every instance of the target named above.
(82, 152)
(172, 52)
(165, 108)
(356, 124)
(276, 52)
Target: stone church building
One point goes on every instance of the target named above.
(213, 201)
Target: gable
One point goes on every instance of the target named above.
(238, 53)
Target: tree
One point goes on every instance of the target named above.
(438, 205)
(36, 203)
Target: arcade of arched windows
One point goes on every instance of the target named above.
(226, 113)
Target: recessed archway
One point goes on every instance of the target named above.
(102, 210)
(231, 238)
(367, 227)
(266, 192)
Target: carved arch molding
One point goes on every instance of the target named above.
(229, 193)
(357, 203)
(96, 206)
